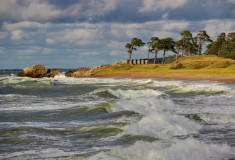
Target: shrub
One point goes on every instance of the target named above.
(177, 66)
(224, 64)
(198, 65)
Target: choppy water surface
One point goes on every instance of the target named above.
(108, 118)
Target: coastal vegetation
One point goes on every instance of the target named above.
(191, 64)
(132, 46)
(223, 46)
(218, 59)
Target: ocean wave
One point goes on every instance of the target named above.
(176, 150)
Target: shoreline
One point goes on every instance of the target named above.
(227, 78)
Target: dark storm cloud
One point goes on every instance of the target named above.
(115, 10)
(204, 10)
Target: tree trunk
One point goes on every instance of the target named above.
(148, 57)
(163, 60)
(183, 51)
(130, 58)
(155, 58)
(199, 48)
(177, 55)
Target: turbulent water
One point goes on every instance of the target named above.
(114, 118)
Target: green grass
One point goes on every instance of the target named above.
(191, 64)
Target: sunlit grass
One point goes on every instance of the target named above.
(192, 64)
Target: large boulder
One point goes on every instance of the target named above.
(55, 72)
(35, 71)
(80, 72)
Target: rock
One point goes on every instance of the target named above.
(115, 63)
(55, 72)
(35, 71)
(80, 72)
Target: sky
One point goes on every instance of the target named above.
(84, 33)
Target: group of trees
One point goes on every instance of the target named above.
(188, 45)
(223, 46)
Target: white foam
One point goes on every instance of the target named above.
(177, 150)
(192, 86)
(127, 94)
(157, 121)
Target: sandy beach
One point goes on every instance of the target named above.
(228, 78)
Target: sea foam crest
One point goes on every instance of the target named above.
(156, 108)
(192, 86)
(179, 150)
(124, 94)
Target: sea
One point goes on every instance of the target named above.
(115, 119)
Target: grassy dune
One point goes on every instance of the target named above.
(188, 68)
(191, 64)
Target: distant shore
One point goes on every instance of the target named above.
(187, 68)
(228, 78)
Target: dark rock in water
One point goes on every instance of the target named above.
(38, 71)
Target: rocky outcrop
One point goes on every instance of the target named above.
(35, 71)
(38, 71)
(55, 72)
(80, 72)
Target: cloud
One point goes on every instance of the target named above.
(17, 34)
(48, 51)
(114, 53)
(29, 51)
(113, 44)
(25, 25)
(44, 10)
(3, 35)
(89, 54)
(155, 5)
(80, 34)
(175, 25)
(50, 41)
(215, 27)
(28, 10)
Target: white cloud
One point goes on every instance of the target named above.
(215, 27)
(31, 50)
(101, 6)
(48, 51)
(89, 54)
(115, 44)
(50, 41)
(17, 34)
(25, 52)
(42, 10)
(25, 25)
(154, 5)
(81, 34)
(114, 53)
(175, 25)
